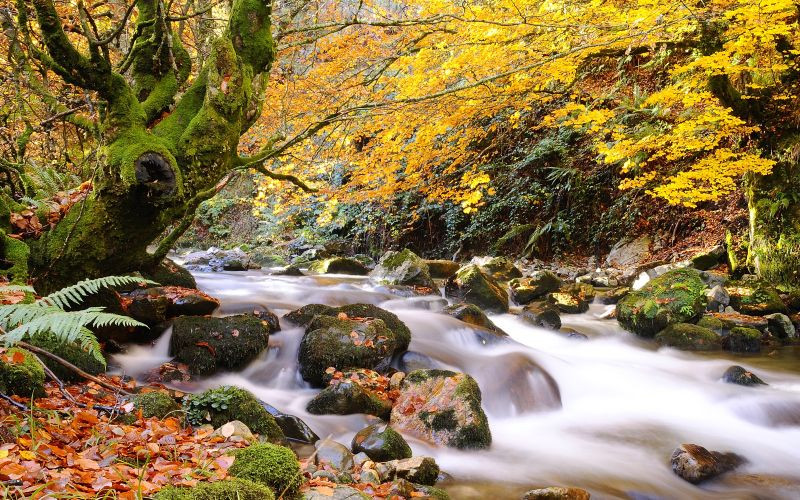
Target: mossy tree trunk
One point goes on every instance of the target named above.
(159, 150)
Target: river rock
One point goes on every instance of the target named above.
(743, 340)
(342, 343)
(402, 268)
(541, 315)
(338, 492)
(168, 273)
(675, 297)
(305, 314)
(628, 253)
(517, 386)
(412, 360)
(419, 470)
(234, 431)
(154, 305)
(472, 315)
(290, 270)
(470, 284)
(339, 265)
(756, 300)
(704, 261)
(740, 376)
(226, 404)
(442, 268)
(292, 426)
(500, 268)
(568, 303)
(208, 344)
(381, 443)
(334, 455)
(696, 464)
(346, 396)
(539, 284)
(216, 259)
(613, 296)
(781, 326)
(442, 407)
(689, 337)
(718, 299)
(557, 493)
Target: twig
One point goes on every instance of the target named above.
(17, 405)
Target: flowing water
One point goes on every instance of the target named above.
(624, 406)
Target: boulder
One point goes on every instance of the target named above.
(740, 376)
(208, 344)
(336, 456)
(154, 305)
(442, 269)
(21, 374)
(168, 273)
(418, 470)
(628, 253)
(733, 319)
(271, 465)
(539, 284)
(342, 343)
(675, 297)
(346, 397)
(542, 315)
(501, 268)
(696, 464)
(442, 407)
(704, 261)
(381, 443)
(234, 431)
(472, 315)
(718, 299)
(156, 404)
(613, 296)
(305, 314)
(743, 340)
(339, 265)
(689, 337)
(226, 404)
(568, 303)
(292, 426)
(216, 259)
(290, 270)
(70, 351)
(781, 326)
(756, 300)
(402, 268)
(557, 493)
(470, 284)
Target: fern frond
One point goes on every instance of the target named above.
(17, 288)
(73, 295)
(13, 315)
(88, 342)
(67, 326)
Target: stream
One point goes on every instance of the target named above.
(625, 405)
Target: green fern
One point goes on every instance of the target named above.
(24, 321)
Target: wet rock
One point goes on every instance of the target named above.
(743, 340)
(412, 360)
(226, 404)
(340, 492)
(234, 431)
(516, 385)
(472, 315)
(442, 407)
(292, 426)
(688, 337)
(208, 344)
(573, 334)
(470, 284)
(147, 306)
(402, 268)
(539, 284)
(342, 344)
(542, 315)
(708, 259)
(263, 259)
(381, 443)
(718, 299)
(568, 303)
(169, 372)
(675, 297)
(154, 305)
(740, 376)
(339, 265)
(290, 270)
(420, 470)
(731, 320)
(168, 273)
(369, 476)
(305, 314)
(696, 464)
(216, 259)
(500, 268)
(756, 299)
(629, 253)
(346, 397)
(781, 326)
(442, 268)
(334, 455)
(70, 351)
(613, 296)
(557, 493)
(21, 374)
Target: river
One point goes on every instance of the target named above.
(624, 405)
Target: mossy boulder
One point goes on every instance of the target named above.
(614, 295)
(472, 315)
(709, 258)
(168, 273)
(347, 397)
(344, 343)
(470, 284)
(539, 284)
(271, 465)
(568, 303)
(339, 265)
(743, 340)
(501, 269)
(758, 300)
(21, 374)
(305, 314)
(75, 354)
(741, 376)
(380, 443)
(156, 404)
(442, 407)
(208, 344)
(442, 268)
(689, 337)
(403, 268)
(584, 291)
(542, 315)
(677, 296)
(712, 323)
(226, 404)
(418, 470)
(154, 305)
(227, 489)
(781, 326)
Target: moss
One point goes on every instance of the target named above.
(347, 398)
(239, 404)
(24, 379)
(156, 404)
(502, 269)
(758, 300)
(16, 253)
(711, 323)
(471, 315)
(381, 443)
(270, 465)
(249, 27)
(339, 265)
(744, 340)
(403, 268)
(567, 302)
(70, 352)
(441, 421)
(228, 489)
(471, 284)
(431, 492)
(525, 290)
(689, 337)
(305, 314)
(168, 273)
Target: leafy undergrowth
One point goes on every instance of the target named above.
(58, 449)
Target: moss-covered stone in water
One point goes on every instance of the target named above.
(156, 404)
(539, 284)
(270, 465)
(472, 315)
(228, 489)
(743, 340)
(21, 374)
(70, 352)
(239, 405)
(470, 284)
(209, 344)
(339, 265)
(759, 300)
(711, 323)
(689, 337)
(381, 443)
(677, 296)
(502, 269)
(343, 343)
(403, 268)
(568, 303)
(347, 398)
(168, 273)
(442, 268)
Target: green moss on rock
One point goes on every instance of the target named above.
(689, 337)
(25, 378)
(156, 404)
(381, 443)
(346, 398)
(470, 284)
(271, 465)
(168, 273)
(539, 284)
(228, 489)
(502, 269)
(743, 340)
(403, 268)
(759, 300)
(70, 352)
(711, 323)
(339, 265)
(226, 404)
